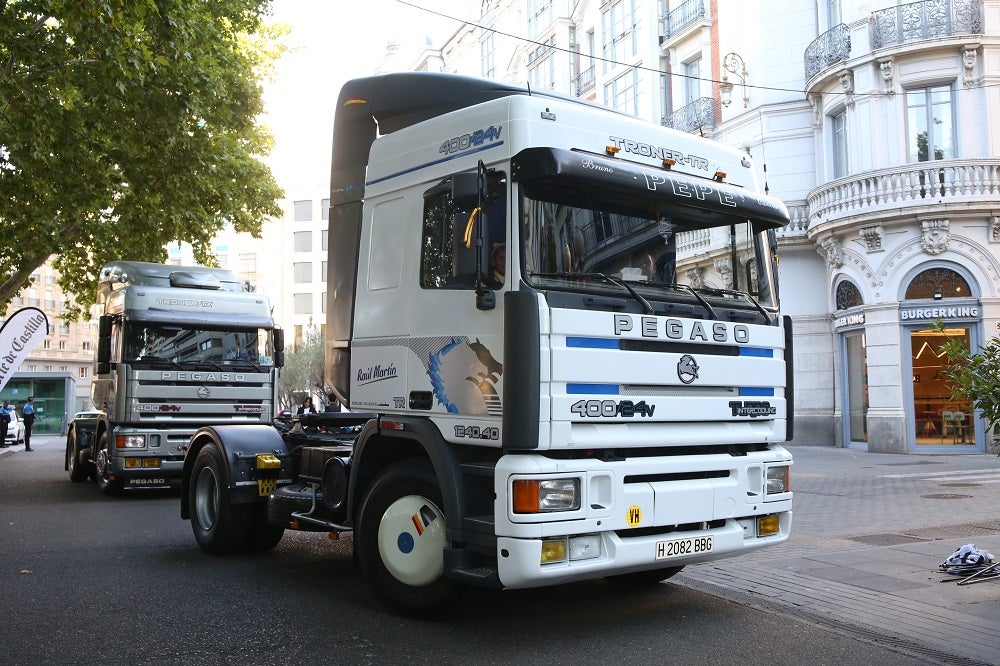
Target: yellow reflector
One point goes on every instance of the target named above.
(526, 496)
(767, 525)
(132, 462)
(553, 551)
(150, 462)
(611, 150)
(267, 461)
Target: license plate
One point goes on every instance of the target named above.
(682, 547)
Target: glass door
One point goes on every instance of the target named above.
(938, 420)
(856, 385)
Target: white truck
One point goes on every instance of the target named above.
(562, 326)
(178, 347)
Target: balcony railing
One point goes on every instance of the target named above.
(828, 49)
(917, 21)
(699, 113)
(584, 81)
(923, 184)
(678, 19)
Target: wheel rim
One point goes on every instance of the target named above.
(101, 462)
(411, 540)
(206, 498)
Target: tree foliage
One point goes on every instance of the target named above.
(973, 377)
(303, 373)
(126, 125)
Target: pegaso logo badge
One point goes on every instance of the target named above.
(204, 393)
(687, 369)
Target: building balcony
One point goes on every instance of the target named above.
(585, 81)
(893, 26)
(679, 20)
(831, 48)
(930, 19)
(940, 187)
(699, 114)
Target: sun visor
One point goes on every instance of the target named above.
(203, 319)
(585, 176)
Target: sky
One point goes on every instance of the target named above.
(331, 42)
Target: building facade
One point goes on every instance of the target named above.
(874, 122)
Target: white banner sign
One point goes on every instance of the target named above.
(21, 333)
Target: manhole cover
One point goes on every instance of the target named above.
(885, 539)
(945, 496)
(959, 484)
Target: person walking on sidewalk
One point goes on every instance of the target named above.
(28, 418)
(4, 420)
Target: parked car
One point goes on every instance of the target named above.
(15, 429)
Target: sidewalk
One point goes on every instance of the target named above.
(36, 440)
(868, 533)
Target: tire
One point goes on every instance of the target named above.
(644, 578)
(102, 470)
(263, 535)
(220, 527)
(78, 470)
(405, 564)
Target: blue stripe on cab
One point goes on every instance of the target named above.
(591, 343)
(592, 389)
(757, 351)
(756, 391)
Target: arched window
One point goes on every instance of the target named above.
(938, 283)
(848, 295)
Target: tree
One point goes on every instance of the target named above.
(973, 377)
(126, 125)
(303, 372)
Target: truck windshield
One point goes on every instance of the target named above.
(588, 243)
(178, 344)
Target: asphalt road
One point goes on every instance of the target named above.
(86, 579)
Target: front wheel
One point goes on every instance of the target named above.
(77, 468)
(401, 540)
(220, 527)
(102, 469)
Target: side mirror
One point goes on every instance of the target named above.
(278, 338)
(103, 345)
(465, 190)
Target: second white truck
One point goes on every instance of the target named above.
(178, 347)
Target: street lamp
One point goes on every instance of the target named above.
(733, 64)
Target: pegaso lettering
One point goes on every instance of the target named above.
(202, 377)
(673, 329)
(475, 139)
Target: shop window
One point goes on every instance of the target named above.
(848, 295)
(938, 283)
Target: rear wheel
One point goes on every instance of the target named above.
(263, 535)
(102, 469)
(220, 527)
(78, 470)
(401, 540)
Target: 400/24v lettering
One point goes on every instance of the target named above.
(612, 408)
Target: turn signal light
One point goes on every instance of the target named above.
(768, 525)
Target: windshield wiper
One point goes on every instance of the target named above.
(745, 295)
(698, 297)
(618, 282)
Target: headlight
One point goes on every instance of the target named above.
(130, 441)
(778, 480)
(546, 495)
